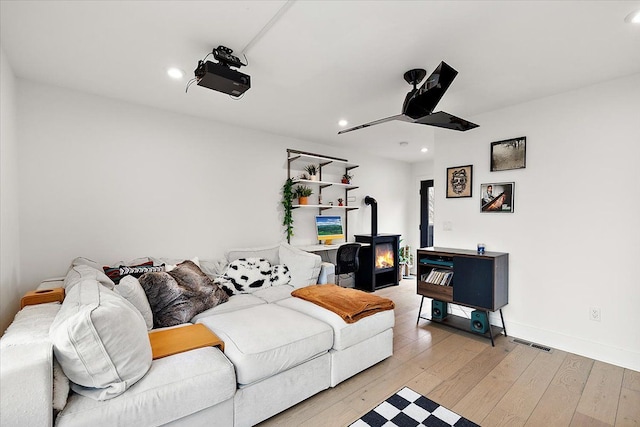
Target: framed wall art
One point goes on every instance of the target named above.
(509, 154)
(497, 197)
(459, 181)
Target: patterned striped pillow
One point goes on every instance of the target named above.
(117, 273)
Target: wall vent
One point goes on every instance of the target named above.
(533, 345)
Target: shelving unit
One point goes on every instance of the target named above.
(478, 281)
(340, 166)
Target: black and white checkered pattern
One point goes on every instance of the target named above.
(407, 408)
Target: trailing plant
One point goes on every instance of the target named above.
(311, 169)
(303, 191)
(287, 202)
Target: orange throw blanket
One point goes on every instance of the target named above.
(350, 304)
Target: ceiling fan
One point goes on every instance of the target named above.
(419, 103)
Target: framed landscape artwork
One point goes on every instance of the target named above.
(509, 154)
(459, 181)
(497, 197)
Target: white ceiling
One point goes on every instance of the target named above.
(324, 60)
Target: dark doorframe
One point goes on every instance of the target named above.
(426, 223)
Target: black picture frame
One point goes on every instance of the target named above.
(499, 199)
(460, 181)
(509, 154)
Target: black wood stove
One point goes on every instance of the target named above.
(379, 266)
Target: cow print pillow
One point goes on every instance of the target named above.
(247, 275)
(280, 275)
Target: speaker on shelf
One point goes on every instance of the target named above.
(438, 309)
(479, 322)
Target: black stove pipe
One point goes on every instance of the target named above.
(374, 214)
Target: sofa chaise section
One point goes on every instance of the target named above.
(280, 356)
(175, 390)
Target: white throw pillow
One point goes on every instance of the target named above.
(214, 268)
(173, 263)
(132, 291)
(303, 266)
(100, 340)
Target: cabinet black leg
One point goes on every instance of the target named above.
(420, 310)
(490, 330)
(504, 328)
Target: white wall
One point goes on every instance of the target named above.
(110, 181)
(574, 237)
(10, 289)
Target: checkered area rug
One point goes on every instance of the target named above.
(407, 408)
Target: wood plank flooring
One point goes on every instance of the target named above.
(506, 385)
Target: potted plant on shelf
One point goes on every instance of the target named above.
(302, 193)
(340, 202)
(312, 170)
(346, 178)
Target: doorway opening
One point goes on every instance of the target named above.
(426, 213)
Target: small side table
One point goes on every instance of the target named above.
(177, 340)
(42, 296)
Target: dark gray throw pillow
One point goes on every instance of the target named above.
(178, 295)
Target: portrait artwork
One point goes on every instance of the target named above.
(497, 197)
(459, 181)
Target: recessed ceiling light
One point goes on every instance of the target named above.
(175, 73)
(424, 149)
(403, 143)
(343, 123)
(633, 17)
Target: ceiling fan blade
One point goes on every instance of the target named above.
(446, 120)
(425, 99)
(400, 117)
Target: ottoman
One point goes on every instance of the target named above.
(280, 358)
(370, 338)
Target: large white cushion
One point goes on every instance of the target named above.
(264, 340)
(303, 266)
(345, 334)
(81, 272)
(236, 302)
(132, 291)
(26, 389)
(274, 293)
(270, 253)
(174, 387)
(25, 385)
(100, 340)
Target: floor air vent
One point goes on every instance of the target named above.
(532, 345)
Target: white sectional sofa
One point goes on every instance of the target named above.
(279, 350)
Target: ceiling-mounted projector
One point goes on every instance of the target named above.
(219, 76)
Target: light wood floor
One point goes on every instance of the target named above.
(506, 385)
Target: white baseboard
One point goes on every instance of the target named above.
(605, 353)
